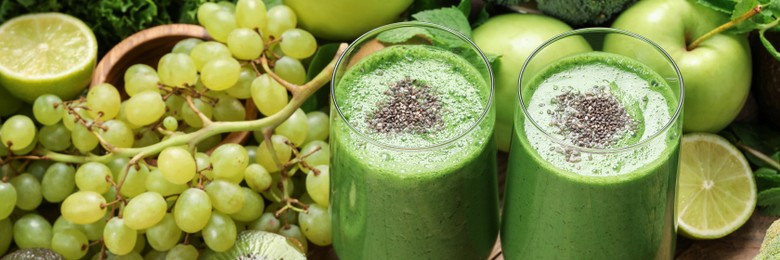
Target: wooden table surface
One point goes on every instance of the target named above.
(743, 244)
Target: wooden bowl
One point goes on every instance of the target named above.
(147, 47)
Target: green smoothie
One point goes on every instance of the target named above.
(421, 192)
(612, 200)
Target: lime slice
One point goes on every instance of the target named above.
(46, 53)
(717, 193)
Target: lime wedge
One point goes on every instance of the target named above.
(717, 193)
(46, 53)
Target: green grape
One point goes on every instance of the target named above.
(176, 165)
(280, 18)
(144, 108)
(220, 232)
(117, 133)
(8, 197)
(189, 115)
(243, 88)
(118, 237)
(26, 150)
(48, 109)
(253, 206)
(192, 210)
(70, 243)
(83, 139)
(173, 105)
(318, 126)
(170, 123)
(94, 230)
(142, 82)
(267, 222)
(31, 231)
(294, 232)
(298, 43)
(117, 165)
(129, 256)
(207, 51)
(177, 70)
(157, 183)
(226, 196)
(245, 44)
(61, 224)
(17, 132)
(148, 137)
(155, 255)
(69, 120)
(83, 207)
(92, 176)
(135, 182)
(103, 101)
(269, 96)
(257, 177)
(145, 210)
(9, 104)
(4, 150)
(182, 251)
(320, 157)
(279, 189)
(291, 70)
(227, 6)
(229, 162)
(219, 24)
(28, 191)
(140, 243)
(229, 108)
(203, 161)
(137, 69)
(283, 153)
(315, 224)
(7, 229)
(58, 182)
(295, 128)
(186, 45)
(205, 10)
(251, 151)
(220, 74)
(54, 137)
(250, 14)
(123, 117)
(165, 235)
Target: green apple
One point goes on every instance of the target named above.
(716, 75)
(345, 19)
(514, 37)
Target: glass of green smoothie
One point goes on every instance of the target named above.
(593, 161)
(413, 166)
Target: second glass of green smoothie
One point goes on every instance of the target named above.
(593, 161)
(413, 167)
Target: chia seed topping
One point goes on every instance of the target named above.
(411, 108)
(594, 119)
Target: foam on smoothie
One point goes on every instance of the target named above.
(644, 94)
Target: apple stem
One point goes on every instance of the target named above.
(747, 15)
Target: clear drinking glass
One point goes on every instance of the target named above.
(413, 167)
(593, 161)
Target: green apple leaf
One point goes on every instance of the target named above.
(725, 6)
(768, 45)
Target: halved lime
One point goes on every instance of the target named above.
(46, 53)
(717, 193)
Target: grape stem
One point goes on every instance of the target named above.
(203, 118)
(747, 15)
(267, 124)
(289, 86)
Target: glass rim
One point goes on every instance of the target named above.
(352, 47)
(605, 31)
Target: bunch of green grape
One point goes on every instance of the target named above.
(182, 200)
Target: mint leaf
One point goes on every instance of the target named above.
(773, 210)
(769, 197)
(482, 18)
(766, 178)
(321, 58)
(725, 6)
(400, 35)
(465, 7)
(450, 17)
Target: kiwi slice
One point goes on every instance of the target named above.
(259, 245)
(33, 254)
